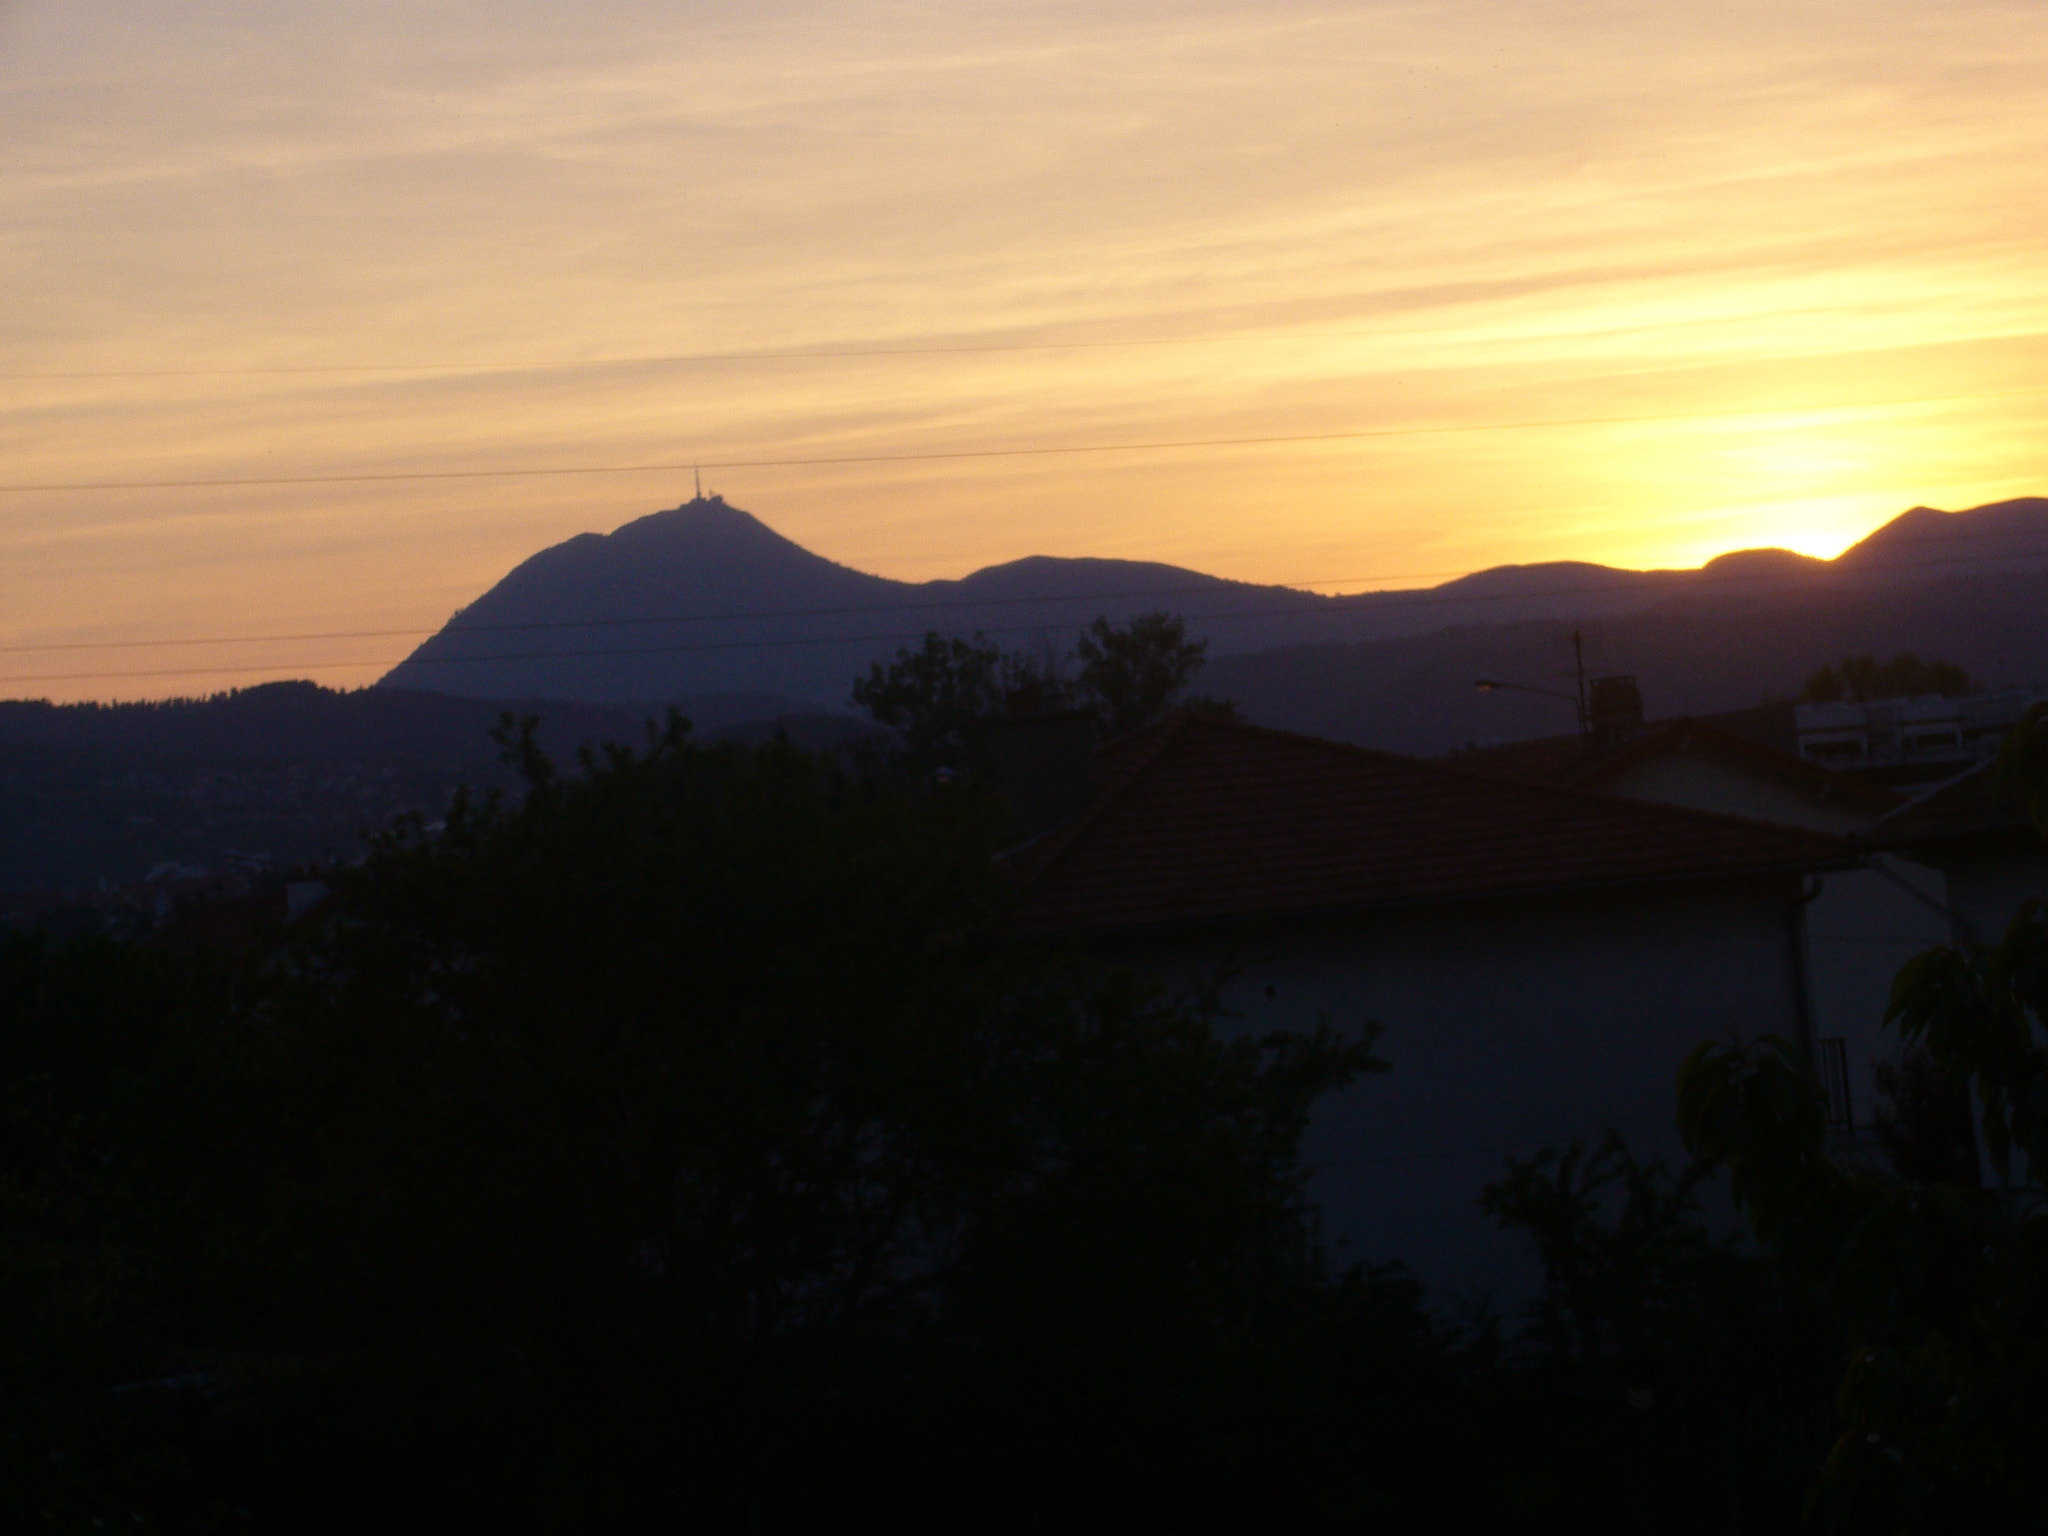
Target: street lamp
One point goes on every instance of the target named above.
(1490, 684)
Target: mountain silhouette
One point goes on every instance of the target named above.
(1969, 587)
(1691, 654)
(707, 599)
(2008, 535)
(750, 634)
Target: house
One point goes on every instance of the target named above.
(1540, 959)
(1863, 923)
(1975, 830)
(1910, 741)
(1703, 762)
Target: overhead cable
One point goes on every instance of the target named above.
(1424, 598)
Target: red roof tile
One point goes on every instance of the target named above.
(1977, 802)
(1199, 820)
(1575, 761)
(1703, 738)
(1539, 760)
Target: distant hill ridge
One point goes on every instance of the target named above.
(706, 599)
(295, 771)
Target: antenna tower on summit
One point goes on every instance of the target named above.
(699, 474)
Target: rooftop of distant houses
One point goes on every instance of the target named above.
(1197, 820)
(1900, 744)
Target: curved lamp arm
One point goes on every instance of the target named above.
(1490, 684)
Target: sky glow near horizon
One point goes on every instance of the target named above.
(1636, 283)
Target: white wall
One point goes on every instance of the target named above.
(1509, 1027)
(1860, 930)
(1986, 888)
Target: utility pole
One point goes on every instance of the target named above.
(1579, 671)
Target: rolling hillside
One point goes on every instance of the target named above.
(705, 598)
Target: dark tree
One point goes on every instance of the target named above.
(685, 1140)
(942, 696)
(1860, 678)
(1133, 673)
(1924, 1122)
(1674, 1379)
(1941, 1285)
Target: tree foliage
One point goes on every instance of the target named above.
(938, 695)
(1134, 672)
(1679, 1380)
(1860, 678)
(941, 696)
(686, 1138)
(1942, 1286)
(1923, 1120)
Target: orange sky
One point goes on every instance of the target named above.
(1630, 282)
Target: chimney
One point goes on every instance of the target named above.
(1614, 710)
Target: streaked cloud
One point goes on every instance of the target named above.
(1643, 283)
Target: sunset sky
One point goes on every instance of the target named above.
(1638, 283)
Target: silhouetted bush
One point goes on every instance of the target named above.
(686, 1139)
(1675, 1380)
(1923, 1121)
(1863, 677)
(690, 1141)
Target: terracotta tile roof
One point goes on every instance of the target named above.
(1562, 759)
(1706, 739)
(1199, 821)
(1539, 760)
(1975, 803)
(1573, 761)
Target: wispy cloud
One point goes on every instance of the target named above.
(1749, 225)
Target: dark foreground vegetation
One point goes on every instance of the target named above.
(686, 1144)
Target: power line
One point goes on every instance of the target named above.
(913, 606)
(916, 605)
(930, 456)
(1392, 600)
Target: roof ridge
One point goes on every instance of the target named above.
(1786, 767)
(1571, 792)
(1143, 755)
(1208, 820)
(1041, 862)
(1658, 809)
(1931, 792)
